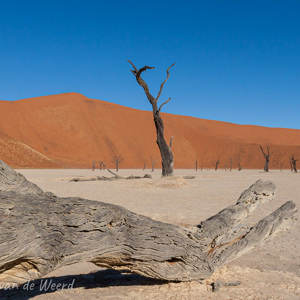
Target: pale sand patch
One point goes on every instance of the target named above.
(272, 271)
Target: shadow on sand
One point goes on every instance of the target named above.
(100, 279)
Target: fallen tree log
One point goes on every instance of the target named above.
(115, 177)
(40, 232)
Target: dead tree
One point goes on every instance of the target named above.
(102, 165)
(40, 232)
(240, 168)
(230, 164)
(153, 163)
(216, 164)
(196, 165)
(116, 161)
(293, 163)
(267, 158)
(94, 162)
(226, 166)
(165, 149)
(144, 166)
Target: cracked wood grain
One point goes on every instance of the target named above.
(40, 232)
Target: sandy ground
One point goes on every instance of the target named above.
(272, 271)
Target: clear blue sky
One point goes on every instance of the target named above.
(236, 61)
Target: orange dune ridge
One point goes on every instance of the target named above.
(70, 130)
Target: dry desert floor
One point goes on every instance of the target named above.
(271, 271)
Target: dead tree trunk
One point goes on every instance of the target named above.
(102, 165)
(217, 164)
(40, 232)
(196, 165)
(230, 164)
(94, 162)
(153, 163)
(116, 161)
(165, 149)
(267, 158)
(294, 163)
(240, 168)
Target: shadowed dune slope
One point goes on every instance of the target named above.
(71, 130)
(21, 155)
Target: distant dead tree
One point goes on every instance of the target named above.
(201, 166)
(144, 166)
(94, 162)
(165, 149)
(226, 166)
(267, 158)
(153, 163)
(281, 167)
(293, 163)
(102, 165)
(196, 165)
(240, 168)
(230, 164)
(216, 164)
(116, 161)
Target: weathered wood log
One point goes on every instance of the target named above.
(40, 232)
(116, 176)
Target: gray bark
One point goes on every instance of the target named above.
(115, 177)
(40, 232)
(165, 149)
(267, 156)
(294, 164)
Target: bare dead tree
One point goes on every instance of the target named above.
(293, 163)
(94, 162)
(226, 166)
(196, 165)
(201, 165)
(217, 164)
(116, 161)
(267, 156)
(102, 165)
(144, 166)
(281, 167)
(165, 149)
(153, 163)
(240, 168)
(230, 164)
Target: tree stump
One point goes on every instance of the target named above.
(40, 232)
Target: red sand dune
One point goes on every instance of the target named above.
(71, 130)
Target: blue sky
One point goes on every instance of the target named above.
(236, 61)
